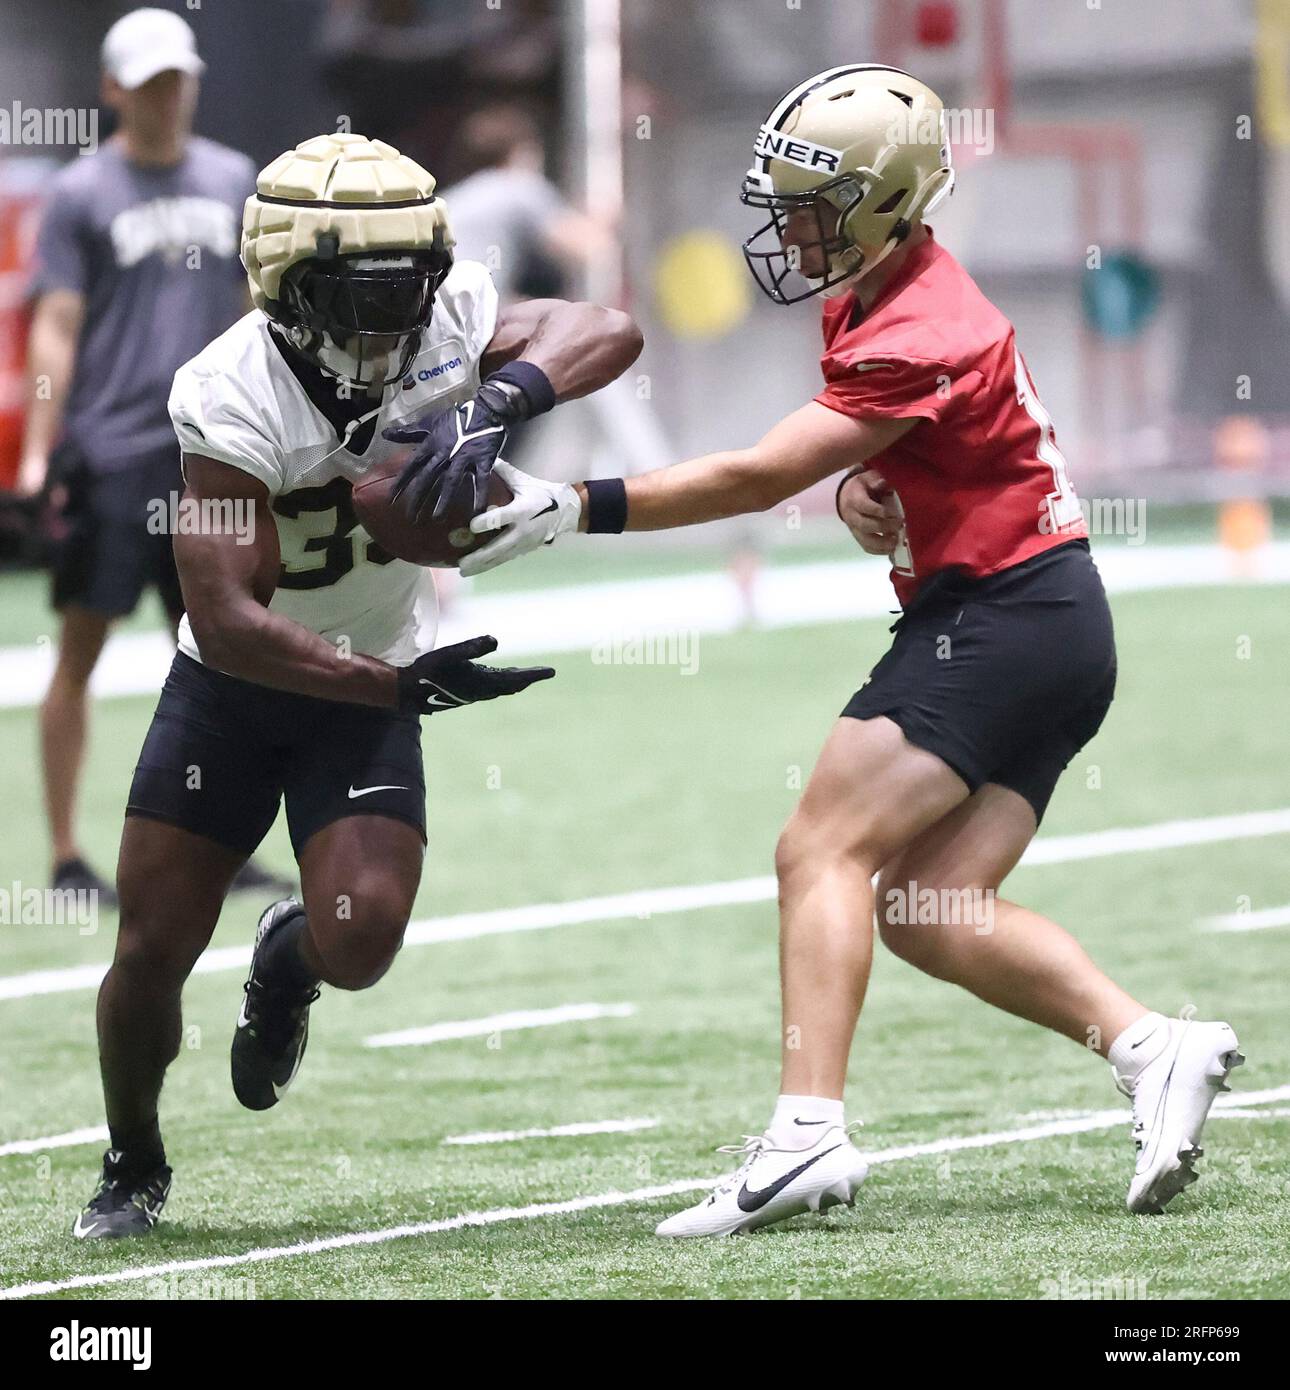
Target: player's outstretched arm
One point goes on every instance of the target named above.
(541, 353)
(229, 572)
(810, 444)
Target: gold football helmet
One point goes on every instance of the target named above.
(862, 146)
(345, 244)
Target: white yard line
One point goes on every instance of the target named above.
(576, 617)
(509, 1136)
(91, 1134)
(344, 1242)
(647, 903)
(1101, 1119)
(1262, 920)
(498, 1023)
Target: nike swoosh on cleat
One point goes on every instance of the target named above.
(754, 1201)
(367, 791)
(82, 1230)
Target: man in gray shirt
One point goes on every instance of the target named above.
(510, 217)
(136, 271)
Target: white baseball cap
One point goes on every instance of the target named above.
(145, 42)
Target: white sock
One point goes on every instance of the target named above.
(1140, 1043)
(799, 1121)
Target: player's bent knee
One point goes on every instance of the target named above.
(148, 949)
(359, 956)
(808, 848)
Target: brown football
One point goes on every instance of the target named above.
(440, 544)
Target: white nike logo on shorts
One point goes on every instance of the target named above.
(366, 791)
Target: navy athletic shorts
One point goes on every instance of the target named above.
(108, 556)
(1004, 678)
(222, 753)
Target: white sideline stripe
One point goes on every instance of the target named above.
(507, 1136)
(1170, 834)
(649, 902)
(1261, 920)
(498, 1023)
(343, 1242)
(575, 617)
(92, 1134)
(1102, 1119)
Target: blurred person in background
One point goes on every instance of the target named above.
(408, 71)
(511, 217)
(136, 270)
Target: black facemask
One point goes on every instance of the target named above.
(772, 265)
(345, 310)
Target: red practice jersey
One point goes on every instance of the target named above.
(980, 479)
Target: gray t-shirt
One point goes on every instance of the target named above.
(498, 217)
(155, 253)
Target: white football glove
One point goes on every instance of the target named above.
(536, 515)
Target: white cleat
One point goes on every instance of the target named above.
(773, 1184)
(1171, 1100)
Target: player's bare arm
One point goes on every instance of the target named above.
(805, 447)
(543, 352)
(228, 586)
(580, 347)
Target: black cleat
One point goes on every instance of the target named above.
(273, 1027)
(251, 876)
(125, 1204)
(76, 876)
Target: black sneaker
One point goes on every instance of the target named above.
(126, 1203)
(273, 1027)
(76, 876)
(264, 881)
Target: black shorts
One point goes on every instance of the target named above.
(1004, 678)
(221, 753)
(108, 556)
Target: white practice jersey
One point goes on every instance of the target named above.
(239, 401)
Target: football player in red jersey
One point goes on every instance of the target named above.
(935, 778)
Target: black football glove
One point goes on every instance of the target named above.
(451, 676)
(458, 447)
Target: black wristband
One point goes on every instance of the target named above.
(532, 382)
(606, 505)
(837, 496)
(410, 699)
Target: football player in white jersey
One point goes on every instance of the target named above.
(298, 673)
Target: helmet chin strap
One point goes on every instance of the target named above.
(867, 267)
(852, 279)
(342, 364)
